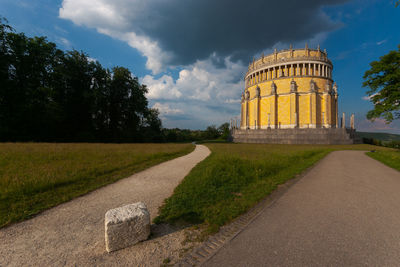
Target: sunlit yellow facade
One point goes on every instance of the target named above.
(291, 88)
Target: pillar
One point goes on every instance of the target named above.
(293, 109)
(274, 106)
(327, 122)
(313, 111)
(257, 113)
(343, 121)
(336, 111)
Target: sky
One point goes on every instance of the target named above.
(193, 55)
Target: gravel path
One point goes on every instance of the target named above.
(73, 233)
(344, 212)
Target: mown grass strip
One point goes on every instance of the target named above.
(237, 176)
(37, 176)
(390, 158)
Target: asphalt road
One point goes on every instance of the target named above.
(344, 212)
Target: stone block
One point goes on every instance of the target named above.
(126, 226)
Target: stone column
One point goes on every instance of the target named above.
(313, 105)
(327, 110)
(336, 111)
(274, 105)
(314, 69)
(245, 114)
(257, 107)
(343, 121)
(293, 104)
(352, 122)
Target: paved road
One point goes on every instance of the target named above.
(73, 233)
(344, 212)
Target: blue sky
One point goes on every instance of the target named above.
(193, 54)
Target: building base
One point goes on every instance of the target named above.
(333, 136)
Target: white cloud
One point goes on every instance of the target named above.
(378, 125)
(368, 97)
(165, 109)
(63, 41)
(156, 58)
(201, 81)
(381, 42)
(111, 20)
(230, 101)
(93, 13)
(162, 88)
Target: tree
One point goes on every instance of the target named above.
(224, 131)
(211, 132)
(383, 79)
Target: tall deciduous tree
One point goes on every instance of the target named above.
(383, 79)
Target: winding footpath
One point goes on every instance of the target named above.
(73, 233)
(344, 212)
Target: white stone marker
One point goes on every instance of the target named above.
(126, 226)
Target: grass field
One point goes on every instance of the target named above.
(389, 157)
(37, 176)
(236, 176)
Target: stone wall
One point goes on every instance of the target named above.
(338, 136)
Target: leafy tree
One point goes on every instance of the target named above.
(224, 131)
(383, 79)
(211, 132)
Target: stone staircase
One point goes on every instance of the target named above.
(337, 136)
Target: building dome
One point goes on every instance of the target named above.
(291, 88)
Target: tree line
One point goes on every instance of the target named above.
(47, 94)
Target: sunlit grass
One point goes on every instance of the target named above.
(37, 176)
(237, 176)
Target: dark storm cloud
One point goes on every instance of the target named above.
(195, 29)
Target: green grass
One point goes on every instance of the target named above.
(37, 176)
(389, 157)
(237, 176)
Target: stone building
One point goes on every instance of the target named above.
(290, 89)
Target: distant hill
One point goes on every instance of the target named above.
(380, 136)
